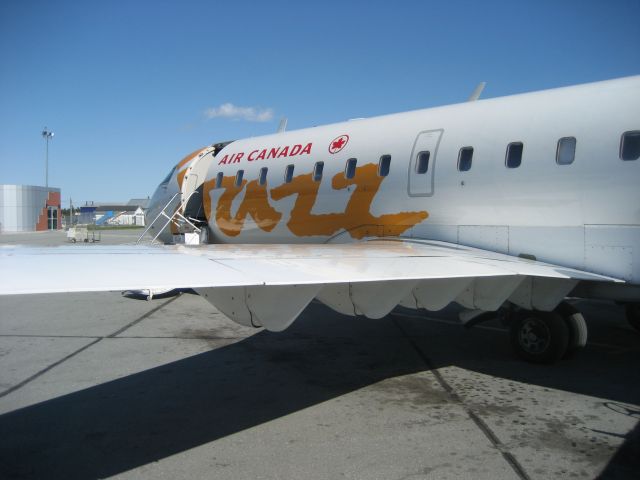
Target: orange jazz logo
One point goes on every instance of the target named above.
(356, 219)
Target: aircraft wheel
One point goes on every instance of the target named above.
(633, 315)
(539, 337)
(576, 325)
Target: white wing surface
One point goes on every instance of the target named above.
(269, 285)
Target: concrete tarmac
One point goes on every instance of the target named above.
(101, 386)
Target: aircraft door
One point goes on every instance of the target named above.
(191, 186)
(423, 163)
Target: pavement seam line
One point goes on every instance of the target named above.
(83, 348)
(481, 424)
(146, 315)
(46, 369)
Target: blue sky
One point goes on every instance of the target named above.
(130, 87)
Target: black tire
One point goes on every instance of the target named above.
(577, 328)
(633, 315)
(539, 337)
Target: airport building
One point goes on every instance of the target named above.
(28, 208)
(130, 213)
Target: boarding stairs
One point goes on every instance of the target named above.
(185, 227)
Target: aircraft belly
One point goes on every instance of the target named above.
(613, 249)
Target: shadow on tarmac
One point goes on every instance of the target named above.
(626, 461)
(135, 420)
(129, 422)
(605, 369)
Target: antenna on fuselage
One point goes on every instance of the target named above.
(283, 125)
(477, 92)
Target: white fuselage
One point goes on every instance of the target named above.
(584, 215)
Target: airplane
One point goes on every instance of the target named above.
(506, 206)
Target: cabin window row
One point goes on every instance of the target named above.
(384, 167)
(565, 153)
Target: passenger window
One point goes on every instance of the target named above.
(514, 155)
(350, 169)
(630, 145)
(239, 176)
(384, 165)
(465, 156)
(422, 162)
(288, 174)
(262, 179)
(219, 178)
(317, 171)
(566, 152)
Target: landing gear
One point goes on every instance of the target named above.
(633, 315)
(539, 337)
(576, 325)
(546, 337)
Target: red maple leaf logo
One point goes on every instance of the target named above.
(338, 143)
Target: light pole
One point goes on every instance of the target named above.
(46, 134)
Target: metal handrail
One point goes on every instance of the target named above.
(170, 218)
(157, 217)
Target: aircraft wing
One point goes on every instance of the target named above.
(269, 285)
